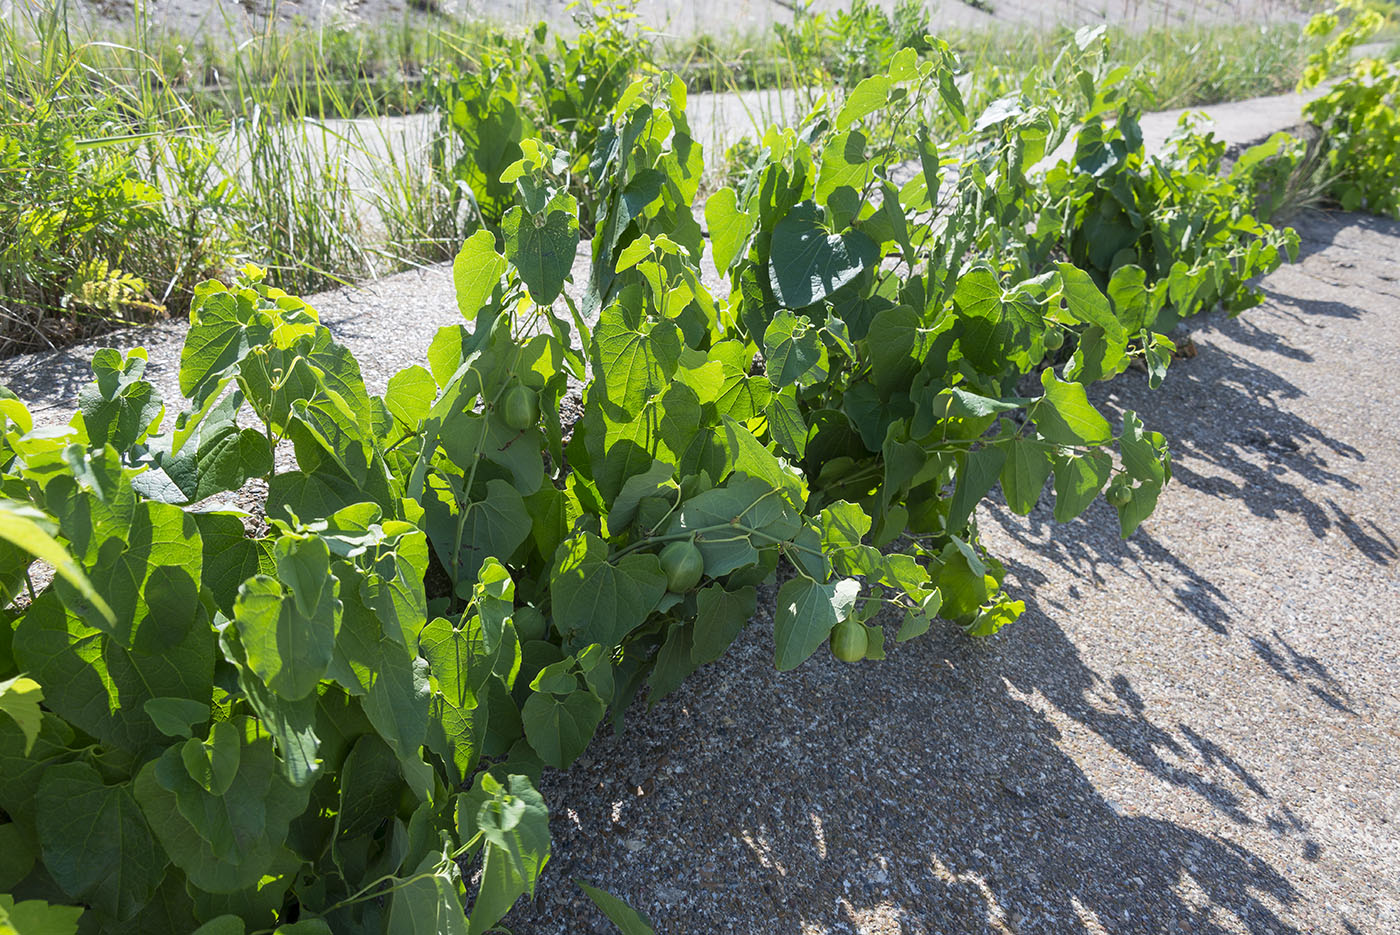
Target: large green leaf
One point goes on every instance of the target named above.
(898, 343)
(222, 332)
(599, 600)
(460, 667)
(987, 330)
(476, 272)
(22, 765)
(793, 351)
(500, 887)
(807, 612)
(105, 687)
(980, 474)
(559, 727)
(149, 573)
(1024, 474)
(1144, 453)
(729, 225)
(657, 479)
(226, 924)
(865, 98)
(1086, 302)
(95, 840)
(223, 457)
(719, 617)
(467, 436)
(1078, 480)
(430, 903)
(288, 627)
(807, 263)
(118, 407)
(633, 362)
(785, 422)
(369, 788)
(1066, 417)
(223, 843)
(844, 164)
(230, 556)
(542, 246)
(494, 526)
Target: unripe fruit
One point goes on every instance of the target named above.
(521, 407)
(1054, 338)
(683, 565)
(849, 641)
(529, 624)
(1119, 495)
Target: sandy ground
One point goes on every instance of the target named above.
(1191, 731)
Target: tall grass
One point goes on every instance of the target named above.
(119, 190)
(111, 197)
(1175, 66)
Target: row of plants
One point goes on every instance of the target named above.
(135, 189)
(335, 718)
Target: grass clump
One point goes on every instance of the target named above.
(110, 197)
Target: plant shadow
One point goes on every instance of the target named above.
(929, 793)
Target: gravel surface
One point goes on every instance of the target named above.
(1191, 731)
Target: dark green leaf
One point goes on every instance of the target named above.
(628, 920)
(807, 611)
(559, 727)
(807, 264)
(1024, 474)
(979, 476)
(96, 842)
(598, 600)
(542, 246)
(1078, 480)
(720, 616)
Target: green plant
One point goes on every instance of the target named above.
(485, 111)
(106, 216)
(1362, 132)
(450, 589)
(1174, 223)
(354, 665)
(1284, 175)
(887, 374)
(1358, 116)
(850, 44)
(561, 93)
